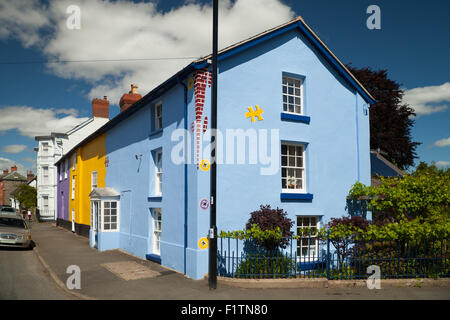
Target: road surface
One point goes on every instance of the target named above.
(22, 276)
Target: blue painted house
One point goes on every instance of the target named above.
(293, 132)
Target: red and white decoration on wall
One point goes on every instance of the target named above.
(202, 78)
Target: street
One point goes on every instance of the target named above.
(23, 277)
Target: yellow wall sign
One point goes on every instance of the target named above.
(204, 165)
(203, 243)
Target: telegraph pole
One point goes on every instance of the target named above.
(212, 278)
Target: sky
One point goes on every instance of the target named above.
(37, 98)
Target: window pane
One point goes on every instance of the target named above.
(283, 160)
(297, 92)
(291, 108)
(106, 212)
(283, 183)
(284, 90)
(113, 204)
(106, 205)
(284, 149)
(107, 219)
(299, 162)
(284, 80)
(283, 172)
(113, 226)
(292, 161)
(290, 90)
(291, 150)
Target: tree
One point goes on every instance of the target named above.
(390, 118)
(269, 219)
(26, 195)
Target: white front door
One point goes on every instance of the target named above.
(95, 211)
(73, 220)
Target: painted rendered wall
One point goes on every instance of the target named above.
(63, 194)
(134, 179)
(337, 152)
(90, 157)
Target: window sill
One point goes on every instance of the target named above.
(155, 198)
(153, 257)
(154, 133)
(296, 196)
(295, 117)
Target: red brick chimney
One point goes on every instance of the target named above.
(100, 108)
(5, 171)
(129, 98)
(30, 176)
(14, 169)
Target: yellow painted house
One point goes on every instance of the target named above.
(87, 171)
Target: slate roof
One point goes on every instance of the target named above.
(380, 166)
(103, 192)
(13, 176)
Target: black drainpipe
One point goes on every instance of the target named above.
(185, 172)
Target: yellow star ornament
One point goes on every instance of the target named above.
(256, 113)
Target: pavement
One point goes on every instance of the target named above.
(114, 274)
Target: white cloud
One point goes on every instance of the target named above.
(33, 122)
(442, 143)
(6, 163)
(14, 148)
(124, 30)
(424, 99)
(22, 19)
(443, 163)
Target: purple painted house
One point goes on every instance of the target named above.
(63, 192)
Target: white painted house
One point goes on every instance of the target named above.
(52, 147)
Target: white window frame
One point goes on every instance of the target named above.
(158, 172)
(74, 162)
(45, 148)
(308, 245)
(66, 168)
(156, 230)
(157, 119)
(295, 167)
(45, 202)
(286, 95)
(60, 171)
(45, 175)
(94, 185)
(73, 187)
(107, 205)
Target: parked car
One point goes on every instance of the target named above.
(14, 232)
(7, 210)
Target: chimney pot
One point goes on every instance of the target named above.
(129, 98)
(100, 108)
(5, 171)
(14, 169)
(30, 175)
